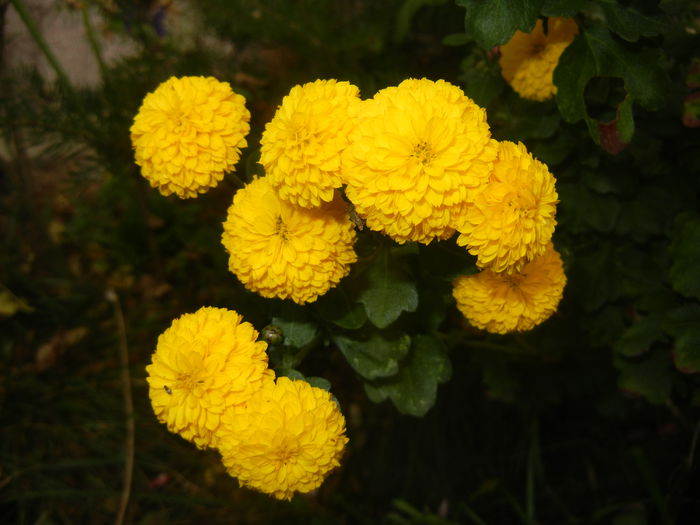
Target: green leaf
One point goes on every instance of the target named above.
(575, 69)
(639, 337)
(684, 325)
(629, 23)
(493, 22)
(644, 78)
(445, 260)
(650, 377)
(565, 8)
(414, 389)
(482, 84)
(291, 373)
(340, 308)
(594, 280)
(594, 53)
(297, 332)
(456, 39)
(389, 290)
(319, 382)
(374, 355)
(685, 254)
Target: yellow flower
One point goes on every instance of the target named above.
(301, 145)
(281, 250)
(513, 216)
(204, 363)
(187, 133)
(501, 302)
(417, 152)
(288, 439)
(529, 59)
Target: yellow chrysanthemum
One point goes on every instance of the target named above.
(513, 216)
(529, 59)
(416, 153)
(501, 302)
(302, 144)
(204, 363)
(281, 250)
(187, 133)
(287, 440)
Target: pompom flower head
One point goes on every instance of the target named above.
(529, 59)
(506, 302)
(204, 363)
(302, 144)
(512, 218)
(187, 133)
(287, 440)
(285, 251)
(415, 154)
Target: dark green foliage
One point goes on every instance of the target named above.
(590, 418)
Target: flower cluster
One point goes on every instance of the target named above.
(187, 133)
(417, 163)
(528, 60)
(209, 382)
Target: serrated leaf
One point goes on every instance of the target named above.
(414, 389)
(651, 377)
(594, 53)
(389, 290)
(493, 22)
(629, 23)
(374, 355)
(640, 70)
(685, 254)
(639, 337)
(684, 325)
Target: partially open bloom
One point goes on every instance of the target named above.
(415, 154)
(302, 144)
(204, 363)
(529, 59)
(187, 133)
(512, 218)
(288, 439)
(506, 302)
(281, 250)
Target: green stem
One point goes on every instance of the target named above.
(531, 467)
(93, 40)
(39, 39)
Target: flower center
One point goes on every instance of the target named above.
(513, 280)
(423, 153)
(285, 454)
(189, 382)
(281, 228)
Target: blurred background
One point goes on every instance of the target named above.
(591, 418)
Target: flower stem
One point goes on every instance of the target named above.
(93, 40)
(39, 39)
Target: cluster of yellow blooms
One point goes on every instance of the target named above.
(528, 60)
(417, 163)
(210, 383)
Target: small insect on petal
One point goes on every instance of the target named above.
(167, 390)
